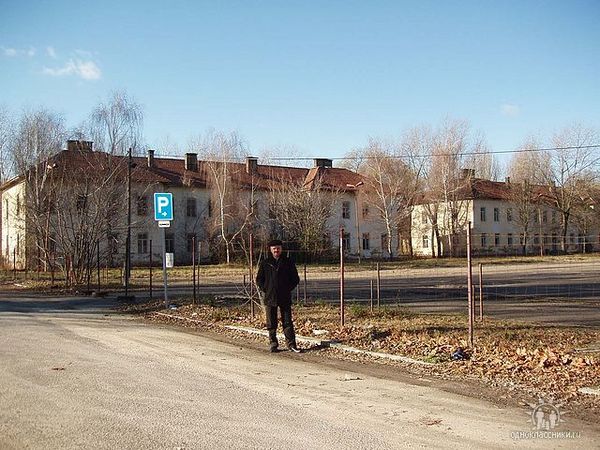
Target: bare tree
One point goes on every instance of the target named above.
(303, 210)
(234, 206)
(480, 158)
(447, 180)
(391, 181)
(116, 125)
(524, 194)
(39, 134)
(6, 134)
(568, 169)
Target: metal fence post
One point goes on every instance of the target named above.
(194, 269)
(251, 255)
(481, 292)
(371, 283)
(342, 276)
(98, 262)
(378, 286)
(151, 296)
(305, 279)
(470, 284)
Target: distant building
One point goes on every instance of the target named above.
(505, 220)
(80, 194)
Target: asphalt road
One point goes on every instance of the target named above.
(73, 375)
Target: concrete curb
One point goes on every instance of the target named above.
(589, 390)
(345, 348)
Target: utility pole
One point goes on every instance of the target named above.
(128, 240)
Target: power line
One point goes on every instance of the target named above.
(426, 155)
(497, 152)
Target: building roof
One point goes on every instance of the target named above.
(479, 188)
(173, 173)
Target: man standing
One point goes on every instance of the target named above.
(277, 277)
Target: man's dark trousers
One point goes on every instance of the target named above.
(286, 321)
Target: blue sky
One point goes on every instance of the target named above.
(320, 77)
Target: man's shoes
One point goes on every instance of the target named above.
(295, 349)
(273, 348)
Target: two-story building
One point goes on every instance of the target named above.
(504, 221)
(59, 202)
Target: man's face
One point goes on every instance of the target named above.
(276, 251)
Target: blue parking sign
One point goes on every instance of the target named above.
(163, 206)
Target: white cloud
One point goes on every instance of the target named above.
(9, 51)
(14, 52)
(51, 52)
(510, 110)
(88, 70)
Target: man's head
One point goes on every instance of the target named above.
(276, 247)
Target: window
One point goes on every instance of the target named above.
(142, 243)
(345, 210)
(425, 241)
(81, 202)
(365, 210)
(18, 204)
(484, 240)
(496, 214)
(545, 216)
(384, 242)
(209, 207)
(169, 243)
(572, 237)
(553, 216)
(191, 207)
(346, 241)
(189, 242)
(509, 214)
(510, 239)
(482, 213)
(366, 245)
(6, 207)
(142, 205)
(497, 239)
(423, 218)
(536, 239)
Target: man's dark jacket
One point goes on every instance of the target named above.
(277, 278)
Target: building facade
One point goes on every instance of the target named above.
(502, 223)
(80, 202)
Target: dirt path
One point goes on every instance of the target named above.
(72, 379)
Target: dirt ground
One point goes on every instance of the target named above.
(510, 363)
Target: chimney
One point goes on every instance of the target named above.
(77, 145)
(150, 158)
(191, 161)
(507, 180)
(467, 173)
(251, 164)
(323, 162)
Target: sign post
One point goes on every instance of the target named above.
(163, 214)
